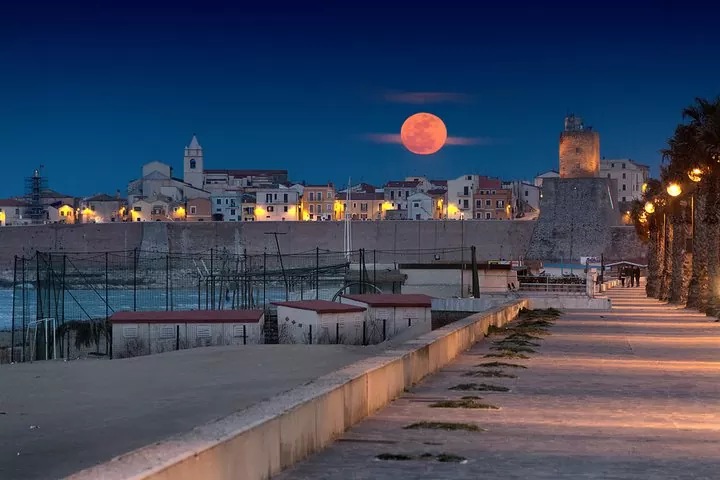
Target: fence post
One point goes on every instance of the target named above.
(64, 270)
(364, 337)
(264, 279)
(384, 329)
(12, 320)
(107, 306)
(177, 337)
(135, 261)
(337, 332)
(310, 336)
(317, 273)
(212, 281)
(244, 334)
(24, 302)
(374, 268)
(167, 282)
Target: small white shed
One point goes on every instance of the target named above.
(146, 333)
(319, 321)
(394, 313)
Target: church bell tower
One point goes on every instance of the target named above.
(193, 164)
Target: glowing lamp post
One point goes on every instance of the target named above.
(674, 189)
(650, 207)
(695, 174)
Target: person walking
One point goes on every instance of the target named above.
(631, 274)
(637, 276)
(622, 277)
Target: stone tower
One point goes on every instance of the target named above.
(579, 150)
(193, 164)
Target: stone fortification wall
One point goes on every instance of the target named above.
(418, 239)
(577, 216)
(88, 238)
(394, 241)
(579, 154)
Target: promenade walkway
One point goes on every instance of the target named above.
(629, 394)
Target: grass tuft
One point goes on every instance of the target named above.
(489, 374)
(463, 403)
(450, 426)
(393, 456)
(511, 348)
(499, 365)
(479, 387)
(507, 354)
(450, 458)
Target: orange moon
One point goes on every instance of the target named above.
(423, 133)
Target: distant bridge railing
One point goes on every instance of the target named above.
(557, 285)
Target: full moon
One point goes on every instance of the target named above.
(423, 133)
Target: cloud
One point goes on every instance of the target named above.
(451, 141)
(384, 137)
(422, 98)
(471, 141)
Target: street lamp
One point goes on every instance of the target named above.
(650, 207)
(695, 174)
(674, 189)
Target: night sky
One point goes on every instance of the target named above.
(93, 91)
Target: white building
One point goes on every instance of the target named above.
(629, 175)
(146, 333)
(398, 192)
(227, 206)
(393, 313)
(460, 193)
(12, 212)
(157, 181)
(420, 206)
(526, 196)
(319, 321)
(542, 176)
(278, 203)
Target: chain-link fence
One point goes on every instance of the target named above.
(72, 295)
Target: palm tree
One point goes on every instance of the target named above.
(654, 226)
(704, 143)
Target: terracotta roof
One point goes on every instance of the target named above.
(442, 183)
(360, 196)
(11, 202)
(321, 306)
(393, 300)
(402, 184)
(102, 197)
(485, 182)
(247, 173)
(189, 316)
(436, 191)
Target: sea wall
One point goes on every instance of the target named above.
(394, 241)
(493, 239)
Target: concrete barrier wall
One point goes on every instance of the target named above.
(273, 435)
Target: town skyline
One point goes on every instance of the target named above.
(311, 90)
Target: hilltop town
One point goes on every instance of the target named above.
(246, 195)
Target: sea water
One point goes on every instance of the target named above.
(90, 304)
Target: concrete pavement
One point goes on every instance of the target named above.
(628, 394)
(59, 417)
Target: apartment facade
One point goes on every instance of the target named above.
(460, 194)
(362, 206)
(278, 203)
(12, 212)
(226, 206)
(491, 201)
(318, 202)
(630, 177)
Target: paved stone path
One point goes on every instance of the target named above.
(629, 394)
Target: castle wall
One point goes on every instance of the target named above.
(577, 219)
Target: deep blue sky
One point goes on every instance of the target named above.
(93, 92)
